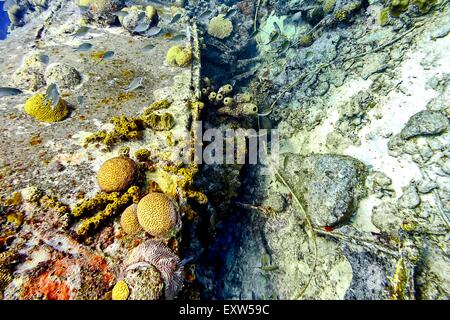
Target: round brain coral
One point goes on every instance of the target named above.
(157, 214)
(220, 27)
(38, 107)
(120, 291)
(129, 220)
(116, 174)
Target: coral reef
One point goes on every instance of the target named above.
(90, 224)
(145, 283)
(157, 214)
(179, 56)
(116, 174)
(129, 221)
(153, 252)
(101, 11)
(63, 75)
(220, 27)
(120, 291)
(40, 108)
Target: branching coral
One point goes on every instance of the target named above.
(41, 108)
(92, 223)
(220, 27)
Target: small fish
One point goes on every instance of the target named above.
(44, 58)
(81, 32)
(274, 36)
(153, 31)
(107, 55)
(254, 33)
(120, 13)
(6, 91)
(135, 84)
(277, 27)
(176, 18)
(295, 18)
(84, 47)
(141, 27)
(231, 13)
(52, 95)
(178, 37)
(141, 16)
(148, 47)
(268, 268)
(205, 15)
(83, 9)
(80, 100)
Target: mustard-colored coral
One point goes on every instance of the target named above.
(120, 291)
(179, 56)
(159, 122)
(116, 174)
(328, 5)
(157, 214)
(142, 154)
(129, 221)
(92, 223)
(220, 27)
(41, 108)
(161, 104)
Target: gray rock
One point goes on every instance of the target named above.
(424, 123)
(375, 64)
(63, 75)
(386, 217)
(329, 186)
(410, 198)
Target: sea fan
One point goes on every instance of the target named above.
(153, 252)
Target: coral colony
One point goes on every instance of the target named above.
(224, 150)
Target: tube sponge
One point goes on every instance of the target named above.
(38, 107)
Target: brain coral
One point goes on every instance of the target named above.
(220, 27)
(129, 220)
(153, 252)
(179, 56)
(157, 214)
(120, 291)
(116, 174)
(42, 110)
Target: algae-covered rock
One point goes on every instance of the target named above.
(145, 283)
(63, 75)
(329, 186)
(424, 123)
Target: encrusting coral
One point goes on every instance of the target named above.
(129, 221)
(179, 56)
(116, 174)
(126, 128)
(157, 214)
(41, 108)
(220, 27)
(120, 291)
(154, 252)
